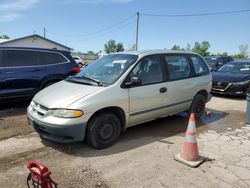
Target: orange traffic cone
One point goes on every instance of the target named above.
(189, 153)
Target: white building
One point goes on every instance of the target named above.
(34, 41)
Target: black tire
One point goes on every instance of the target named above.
(198, 105)
(103, 130)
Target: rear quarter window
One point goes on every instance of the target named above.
(200, 67)
(177, 66)
(52, 58)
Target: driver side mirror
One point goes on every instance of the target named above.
(134, 81)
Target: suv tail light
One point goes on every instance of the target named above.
(76, 69)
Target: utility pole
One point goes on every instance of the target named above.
(44, 32)
(137, 30)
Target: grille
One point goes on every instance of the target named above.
(40, 109)
(219, 85)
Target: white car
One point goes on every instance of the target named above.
(118, 91)
(79, 61)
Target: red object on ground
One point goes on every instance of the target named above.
(39, 175)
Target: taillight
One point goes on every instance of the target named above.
(76, 69)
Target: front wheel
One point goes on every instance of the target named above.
(198, 105)
(103, 130)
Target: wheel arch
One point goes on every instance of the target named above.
(118, 111)
(204, 93)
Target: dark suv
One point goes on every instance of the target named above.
(25, 71)
(215, 62)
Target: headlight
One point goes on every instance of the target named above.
(240, 83)
(65, 113)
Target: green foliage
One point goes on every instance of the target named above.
(201, 48)
(119, 47)
(220, 54)
(176, 47)
(4, 37)
(111, 47)
(239, 56)
(90, 52)
(243, 52)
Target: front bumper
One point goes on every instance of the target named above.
(64, 133)
(231, 90)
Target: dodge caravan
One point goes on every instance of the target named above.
(118, 91)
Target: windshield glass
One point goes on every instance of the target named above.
(236, 67)
(107, 69)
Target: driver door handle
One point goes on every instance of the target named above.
(163, 90)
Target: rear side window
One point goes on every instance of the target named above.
(178, 67)
(200, 67)
(1, 59)
(17, 58)
(52, 58)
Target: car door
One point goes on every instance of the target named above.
(180, 84)
(146, 99)
(2, 74)
(24, 72)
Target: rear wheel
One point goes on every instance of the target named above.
(103, 130)
(198, 105)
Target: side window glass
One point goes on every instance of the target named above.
(52, 58)
(16, 58)
(178, 67)
(148, 70)
(1, 58)
(200, 67)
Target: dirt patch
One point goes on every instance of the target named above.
(65, 171)
(13, 121)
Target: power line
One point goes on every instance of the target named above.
(198, 14)
(105, 33)
(95, 32)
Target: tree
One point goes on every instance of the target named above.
(90, 52)
(220, 54)
(201, 48)
(111, 47)
(243, 50)
(119, 47)
(176, 47)
(4, 37)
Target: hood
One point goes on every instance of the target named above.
(62, 94)
(229, 77)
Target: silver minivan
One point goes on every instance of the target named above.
(118, 91)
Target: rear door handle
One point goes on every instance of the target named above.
(163, 90)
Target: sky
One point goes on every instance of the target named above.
(88, 24)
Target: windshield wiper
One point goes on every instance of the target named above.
(99, 83)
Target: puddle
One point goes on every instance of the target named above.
(219, 121)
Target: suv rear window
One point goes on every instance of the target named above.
(52, 58)
(17, 58)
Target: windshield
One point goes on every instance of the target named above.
(236, 67)
(107, 69)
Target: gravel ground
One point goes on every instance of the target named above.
(143, 157)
